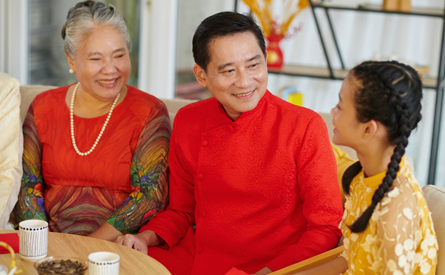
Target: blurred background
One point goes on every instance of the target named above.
(31, 49)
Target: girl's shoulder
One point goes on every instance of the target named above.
(405, 187)
(402, 191)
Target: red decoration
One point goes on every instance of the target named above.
(274, 53)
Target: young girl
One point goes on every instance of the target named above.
(387, 227)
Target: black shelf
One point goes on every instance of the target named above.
(329, 72)
(427, 12)
(338, 74)
(436, 84)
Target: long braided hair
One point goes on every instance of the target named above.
(390, 94)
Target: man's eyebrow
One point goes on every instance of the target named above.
(255, 57)
(221, 67)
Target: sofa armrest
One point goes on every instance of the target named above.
(311, 262)
(435, 198)
(11, 146)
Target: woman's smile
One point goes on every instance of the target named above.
(108, 83)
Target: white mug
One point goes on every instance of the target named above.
(3, 270)
(103, 263)
(33, 240)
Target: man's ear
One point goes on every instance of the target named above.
(70, 63)
(200, 75)
(370, 129)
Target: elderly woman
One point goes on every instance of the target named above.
(95, 153)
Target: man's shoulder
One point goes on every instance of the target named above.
(199, 105)
(196, 110)
(192, 119)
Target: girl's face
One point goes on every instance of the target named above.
(344, 115)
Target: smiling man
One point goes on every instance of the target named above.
(255, 174)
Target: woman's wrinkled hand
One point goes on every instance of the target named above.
(140, 242)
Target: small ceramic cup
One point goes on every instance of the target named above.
(3, 270)
(33, 240)
(103, 263)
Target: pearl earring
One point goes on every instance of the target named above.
(71, 71)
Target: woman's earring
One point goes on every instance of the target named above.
(71, 71)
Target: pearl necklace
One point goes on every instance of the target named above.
(72, 124)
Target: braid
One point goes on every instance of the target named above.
(350, 174)
(393, 167)
(399, 124)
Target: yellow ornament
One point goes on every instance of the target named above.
(272, 57)
(13, 267)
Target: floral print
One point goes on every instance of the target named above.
(399, 238)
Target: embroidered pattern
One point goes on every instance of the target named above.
(400, 237)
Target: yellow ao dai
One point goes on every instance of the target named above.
(400, 238)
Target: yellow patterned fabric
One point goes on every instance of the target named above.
(400, 238)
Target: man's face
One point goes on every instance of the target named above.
(236, 74)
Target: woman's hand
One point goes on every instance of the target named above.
(141, 241)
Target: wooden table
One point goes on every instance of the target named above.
(132, 262)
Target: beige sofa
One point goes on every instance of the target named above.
(173, 105)
(11, 146)
(435, 195)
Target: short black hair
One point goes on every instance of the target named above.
(222, 24)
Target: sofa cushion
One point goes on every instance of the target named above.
(435, 198)
(173, 106)
(11, 146)
(28, 93)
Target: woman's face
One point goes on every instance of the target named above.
(102, 64)
(344, 115)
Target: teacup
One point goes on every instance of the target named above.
(33, 240)
(103, 263)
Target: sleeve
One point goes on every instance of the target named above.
(172, 224)
(11, 148)
(149, 176)
(30, 201)
(319, 191)
(399, 233)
